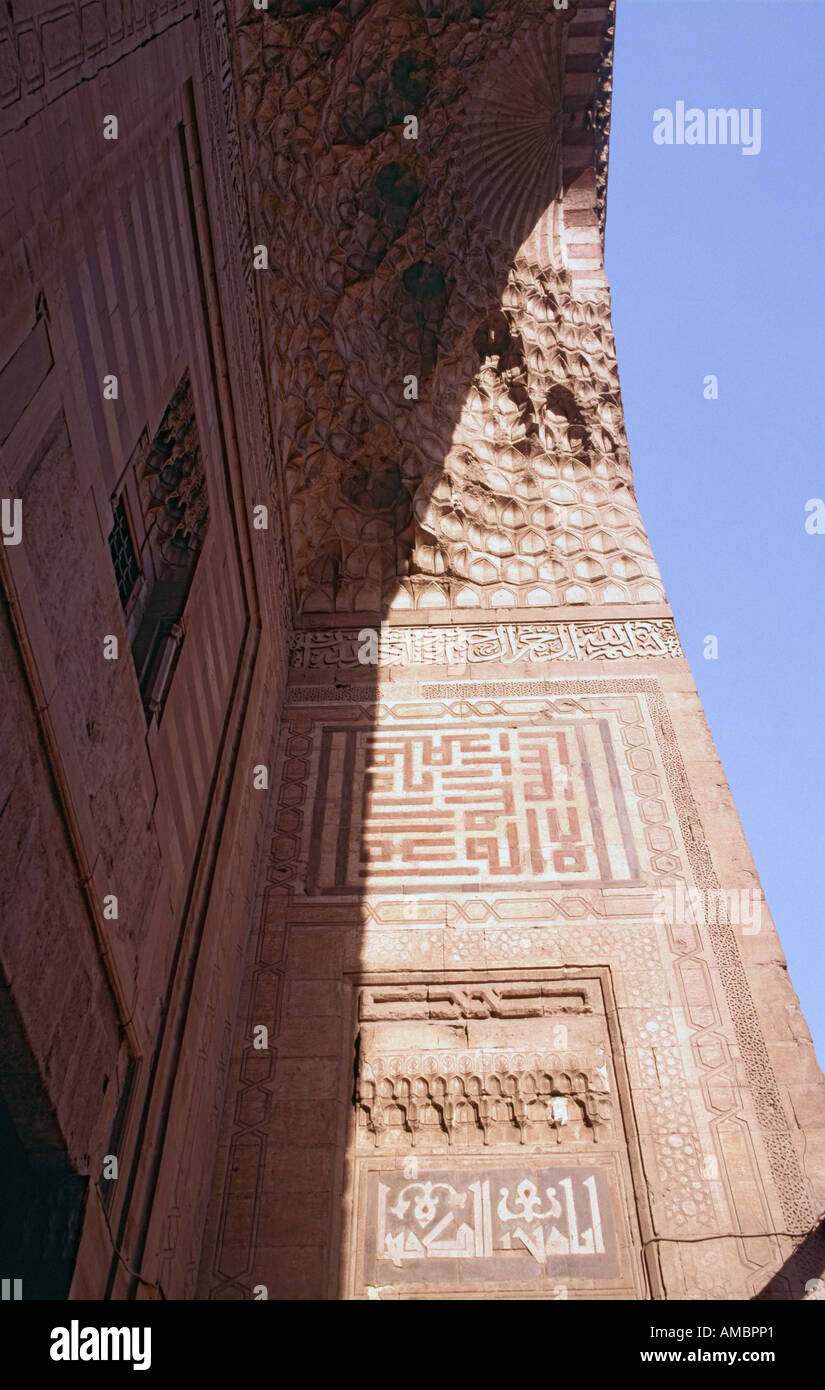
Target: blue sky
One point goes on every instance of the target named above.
(717, 265)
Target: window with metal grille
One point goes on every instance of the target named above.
(123, 554)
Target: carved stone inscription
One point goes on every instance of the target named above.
(505, 999)
(511, 804)
(507, 643)
(489, 1143)
(525, 1221)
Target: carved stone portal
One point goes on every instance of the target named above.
(477, 1108)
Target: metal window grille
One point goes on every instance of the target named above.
(123, 554)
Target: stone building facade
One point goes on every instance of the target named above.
(377, 921)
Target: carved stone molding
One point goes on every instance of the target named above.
(500, 1093)
(532, 999)
(54, 44)
(232, 213)
(464, 1064)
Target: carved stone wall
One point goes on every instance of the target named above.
(515, 1044)
(124, 258)
(419, 871)
(494, 1094)
(47, 48)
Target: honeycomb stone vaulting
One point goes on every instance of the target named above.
(440, 967)
(506, 480)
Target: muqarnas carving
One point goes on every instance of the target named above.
(505, 480)
(488, 1066)
(536, 488)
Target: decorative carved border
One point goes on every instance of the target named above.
(505, 642)
(47, 51)
(232, 211)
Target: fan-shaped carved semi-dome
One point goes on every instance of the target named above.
(513, 136)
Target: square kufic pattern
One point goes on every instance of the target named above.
(490, 1144)
(502, 802)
